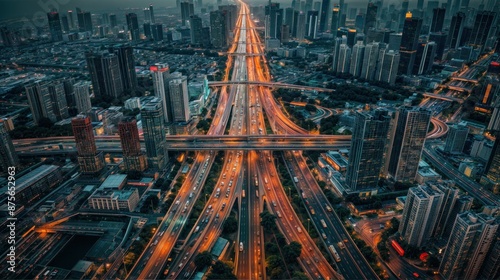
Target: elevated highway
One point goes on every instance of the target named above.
(271, 85)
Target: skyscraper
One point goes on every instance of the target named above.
(84, 21)
(424, 58)
(40, 102)
(455, 33)
(437, 19)
(82, 96)
(161, 73)
(65, 23)
(409, 42)
(492, 169)
(133, 27)
(187, 10)
(152, 14)
(147, 30)
(274, 20)
(367, 148)
(157, 31)
(335, 20)
(420, 214)
(336, 50)
(404, 10)
(408, 138)
(470, 239)
(55, 26)
(8, 156)
(301, 26)
(104, 69)
(323, 19)
(312, 24)
(71, 20)
(196, 30)
(179, 99)
(58, 99)
(133, 158)
(289, 18)
(344, 59)
(90, 160)
(371, 17)
(127, 65)
(462, 204)
(218, 29)
(112, 20)
(387, 67)
(456, 137)
(370, 58)
(231, 16)
(154, 134)
(481, 29)
(450, 196)
(357, 59)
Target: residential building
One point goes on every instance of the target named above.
(133, 158)
(90, 160)
(154, 134)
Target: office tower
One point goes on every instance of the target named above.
(285, 33)
(160, 73)
(402, 14)
(147, 15)
(359, 21)
(370, 59)
(367, 148)
(420, 4)
(395, 41)
(309, 6)
(494, 123)
(440, 39)
(409, 41)
(437, 19)
(482, 26)
(293, 28)
(133, 158)
(127, 65)
(470, 239)
(344, 60)
(429, 12)
(40, 102)
(492, 169)
(335, 20)
(105, 19)
(450, 197)
(491, 266)
(424, 58)
(336, 51)
(274, 20)
(8, 156)
(371, 17)
(289, 19)
(58, 99)
(55, 26)
(154, 134)
(179, 99)
(462, 204)
(151, 13)
(456, 137)
(408, 138)
(196, 30)
(317, 6)
(71, 20)
(82, 96)
(105, 74)
(147, 30)
(187, 10)
(312, 24)
(342, 7)
(133, 27)
(157, 32)
(387, 67)
(112, 20)
(420, 214)
(231, 15)
(84, 21)
(89, 159)
(301, 26)
(357, 59)
(65, 23)
(218, 29)
(323, 19)
(456, 29)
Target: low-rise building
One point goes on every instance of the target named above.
(120, 200)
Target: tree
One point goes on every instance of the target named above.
(291, 252)
(221, 270)
(230, 225)
(45, 122)
(268, 221)
(271, 248)
(274, 261)
(297, 275)
(203, 259)
(310, 108)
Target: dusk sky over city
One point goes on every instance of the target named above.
(233, 139)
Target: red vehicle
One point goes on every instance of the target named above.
(397, 247)
(415, 275)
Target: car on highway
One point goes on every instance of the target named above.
(241, 246)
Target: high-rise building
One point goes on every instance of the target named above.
(161, 73)
(420, 214)
(127, 65)
(147, 30)
(157, 31)
(289, 18)
(8, 156)
(40, 102)
(409, 42)
(90, 160)
(323, 18)
(387, 67)
(196, 30)
(231, 16)
(440, 39)
(491, 266)
(105, 74)
(431, 5)
(274, 20)
(408, 138)
(420, 4)
(336, 50)
(482, 27)
(371, 17)
(179, 99)
(456, 29)
(152, 14)
(65, 23)
(357, 59)
(55, 26)
(295, 23)
(450, 196)
(470, 240)
(218, 29)
(82, 96)
(312, 24)
(147, 15)
(84, 21)
(71, 20)
(424, 58)
(154, 134)
(133, 27)
(456, 137)
(309, 6)
(367, 148)
(370, 59)
(133, 158)
(301, 26)
(395, 41)
(492, 169)
(58, 99)
(404, 10)
(344, 59)
(437, 19)
(334, 25)
(112, 20)
(187, 10)
(462, 204)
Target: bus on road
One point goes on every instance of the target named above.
(334, 253)
(323, 223)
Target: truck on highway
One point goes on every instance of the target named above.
(341, 245)
(323, 223)
(217, 194)
(334, 253)
(329, 208)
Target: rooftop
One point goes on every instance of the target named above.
(114, 181)
(34, 176)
